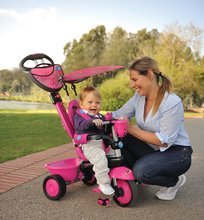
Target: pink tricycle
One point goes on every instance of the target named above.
(50, 77)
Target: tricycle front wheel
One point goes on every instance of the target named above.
(54, 187)
(126, 192)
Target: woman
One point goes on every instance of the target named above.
(158, 148)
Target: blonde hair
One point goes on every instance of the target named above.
(87, 90)
(142, 66)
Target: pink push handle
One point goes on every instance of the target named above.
(108, 116)
(121, 127)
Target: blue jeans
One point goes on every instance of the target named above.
(155, 167)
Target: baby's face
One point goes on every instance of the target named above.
(91, 103)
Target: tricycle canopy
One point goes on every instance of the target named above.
(50, 76)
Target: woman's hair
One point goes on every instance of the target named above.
(142, 66)
(89, 89)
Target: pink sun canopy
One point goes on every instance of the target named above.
(82, 74)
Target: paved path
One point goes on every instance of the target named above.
(27, 201)
(24, 169)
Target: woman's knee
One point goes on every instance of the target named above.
(144, 171)
(139, 171)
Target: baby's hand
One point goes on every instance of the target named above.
(98, 122)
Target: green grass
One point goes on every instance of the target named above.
(26, 132)
(194, 114)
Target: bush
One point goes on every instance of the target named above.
(116, 91)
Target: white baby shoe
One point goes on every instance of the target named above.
(106, 189)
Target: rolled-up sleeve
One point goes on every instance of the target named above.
(170, 124)
(162, 137)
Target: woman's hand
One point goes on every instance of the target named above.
(130, 127)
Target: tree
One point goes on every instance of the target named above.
(147, 41)
(116, 51)
(6, 79)
(14, 81)
(177, 60)
(86, 52)
(190, 34)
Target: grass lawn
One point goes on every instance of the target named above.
(196, 114)
(25, 132)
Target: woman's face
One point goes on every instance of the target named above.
(142, 84)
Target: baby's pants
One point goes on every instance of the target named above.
(94, 152)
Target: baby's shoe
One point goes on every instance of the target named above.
(106, 189)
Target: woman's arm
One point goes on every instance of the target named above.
(169, 125)
(145, 136)
(128, 109)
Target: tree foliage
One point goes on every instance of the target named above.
(177, 50)
(118, 91)
(14, 81)
(86, 52)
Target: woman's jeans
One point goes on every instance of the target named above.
(155, 167)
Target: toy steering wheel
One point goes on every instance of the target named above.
(35, 60)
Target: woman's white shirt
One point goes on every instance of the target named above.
(167, 123)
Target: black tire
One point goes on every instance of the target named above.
(89, 181)
(88, 175)
(126, 192)
(54, 187)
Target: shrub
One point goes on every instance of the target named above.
(115, 92)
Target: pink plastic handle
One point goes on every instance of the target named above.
(120, 127)
(108, 116)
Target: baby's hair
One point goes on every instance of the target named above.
(89, 89)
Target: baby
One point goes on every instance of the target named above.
(90, 103)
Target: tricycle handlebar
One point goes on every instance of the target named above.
(35, 58)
